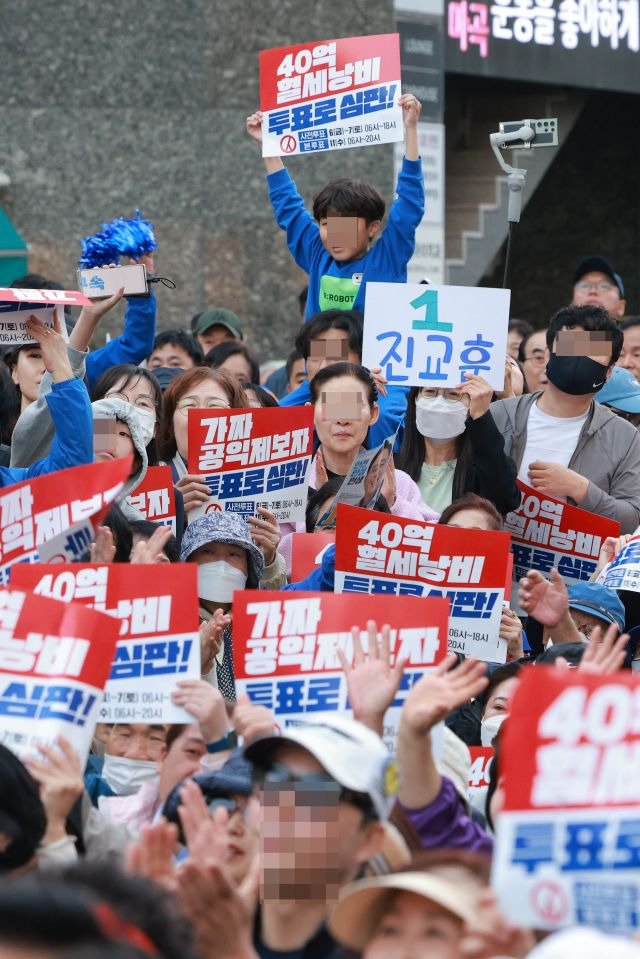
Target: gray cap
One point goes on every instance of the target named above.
(224, 528)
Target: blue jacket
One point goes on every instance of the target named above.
(393, 409)
(134, 343)
(72, 445)
(321, 579)
(385, 262)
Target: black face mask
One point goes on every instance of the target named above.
(576, 375)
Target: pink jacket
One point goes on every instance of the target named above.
(408, 504)
(133, 811)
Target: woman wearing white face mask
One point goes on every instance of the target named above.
(452, 446)
(128, 437)
(138, 387)
(228, 560)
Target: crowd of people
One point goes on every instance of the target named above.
(234, 836)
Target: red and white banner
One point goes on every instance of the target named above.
(624, 570)
(381, 554)
(253, 458)
(155, 497)
(17, 305)
(157, 610)
(285, 648)
(481, 760)
(568, 834)
(546, 532)
(307, 550)
(51, 518)
(46, 297)
(54, 662)
(330, 95)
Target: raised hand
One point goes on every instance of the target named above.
(151, 550)
(547, 601)
(53, 346)
(372, 683)
(439, 692)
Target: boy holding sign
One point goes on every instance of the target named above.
(334, 246)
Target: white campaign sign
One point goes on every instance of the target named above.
(431, 336)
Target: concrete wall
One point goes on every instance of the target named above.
(108, 106)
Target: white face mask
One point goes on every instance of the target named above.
(440, 419)
(125, 776)
(218, 581)
(489, 729)
(146, 423)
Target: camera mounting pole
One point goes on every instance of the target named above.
(522, 134)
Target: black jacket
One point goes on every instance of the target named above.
(484, 468)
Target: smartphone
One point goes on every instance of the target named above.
(105, 281)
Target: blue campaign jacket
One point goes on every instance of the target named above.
(385, 262)
(393, 408)
(322, 578)
(134, 343)
(72, 445)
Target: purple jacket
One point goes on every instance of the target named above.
(444, 823)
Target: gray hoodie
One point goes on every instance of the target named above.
(607, 453)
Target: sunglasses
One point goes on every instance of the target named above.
(321, 789)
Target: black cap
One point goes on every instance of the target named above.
(598, 264)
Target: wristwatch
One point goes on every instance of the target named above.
(228, 741)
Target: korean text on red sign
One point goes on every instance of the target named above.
(430, 336)
(330, 95)
(50, 518)
(157, 612)
(568, 834)
(253, 458)
(624, 571)
(388, 555)
(17, 305)
(285, 647)
(155, 497)
(54, 662)
(547, 533)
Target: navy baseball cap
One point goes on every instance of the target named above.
(598, 601)
(621, 391)
(598, 264)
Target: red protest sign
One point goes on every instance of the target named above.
(330, 95)
(156, 607)
(45, 297)
(381, 554)
(54, 662)
(253, 458)
(567, 832)
(546, 532)
(155, 496)
(307, 550)
(480, 769)
(49, 518)
(285, 647)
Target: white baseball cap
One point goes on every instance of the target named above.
(348, 750)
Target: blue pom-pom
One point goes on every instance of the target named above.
(121, 237)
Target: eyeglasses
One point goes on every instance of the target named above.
(538, 356)
(321, 787)
(447, 394)
(601, 286)
(143, 402)
(189, 403)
